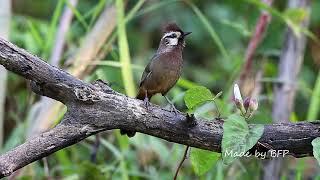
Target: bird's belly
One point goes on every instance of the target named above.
(161, 82)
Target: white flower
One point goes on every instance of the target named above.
(237, 94)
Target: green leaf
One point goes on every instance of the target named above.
(296, 15)
(313, 110)
(196, 96)
(203, 160)
(238, 138)
(316, 148)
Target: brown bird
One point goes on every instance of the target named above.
(164, 69)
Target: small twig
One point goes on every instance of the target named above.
(181, 162)
(255, 40)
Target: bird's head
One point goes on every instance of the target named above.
(173, 35)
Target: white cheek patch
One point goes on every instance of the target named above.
(172, 41)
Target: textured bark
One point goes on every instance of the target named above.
(93, 108)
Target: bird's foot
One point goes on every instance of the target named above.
(146, 103)
(176, 112)
(173, 108)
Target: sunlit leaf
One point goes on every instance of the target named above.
(238, 138)
(296, 15)
(316, 148)
(196, 96)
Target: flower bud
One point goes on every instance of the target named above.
(250, 105)
(246, 103)
(238, 99)
(253, 104)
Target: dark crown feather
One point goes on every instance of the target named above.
(171, 27)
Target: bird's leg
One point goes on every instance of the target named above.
(172, 106)
(146, 102)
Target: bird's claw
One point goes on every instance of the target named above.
(146, 103)
(174, 109)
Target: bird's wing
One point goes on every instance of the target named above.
(147, 71)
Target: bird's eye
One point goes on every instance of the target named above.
(172, 36)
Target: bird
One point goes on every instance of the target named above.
(164, 68)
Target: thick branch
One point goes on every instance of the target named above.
(48, 80)
(93, 108)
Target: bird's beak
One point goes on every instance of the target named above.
(186, 34)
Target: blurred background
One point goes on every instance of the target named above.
(270, 48)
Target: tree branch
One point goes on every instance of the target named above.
(93, 108)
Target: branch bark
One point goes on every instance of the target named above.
(95, 107)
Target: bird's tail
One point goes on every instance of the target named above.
(141, 95)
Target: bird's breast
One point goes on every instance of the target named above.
(165, 71)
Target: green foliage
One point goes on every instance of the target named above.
(196, 96)
(203, 160)
(88, 170)
(313, 110)
(316, 148)
(295, 15)
(124, 51)
(78, 15)
(52, 29)
(65, 162)
(211, 30)
(238, 138)
(292, 17)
